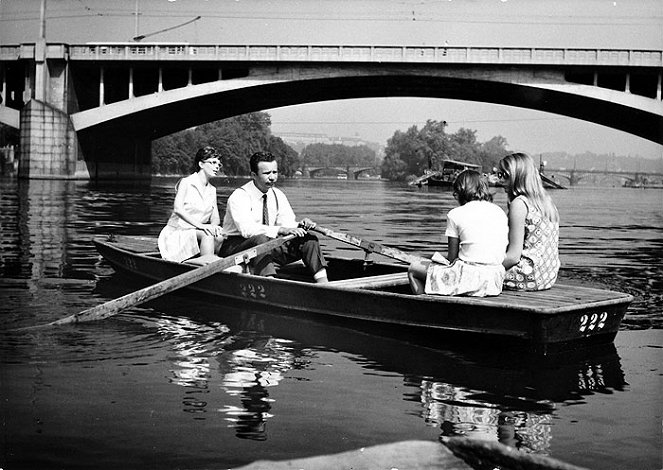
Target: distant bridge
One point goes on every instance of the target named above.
(92, 110)
(574, 176)
(350, 171)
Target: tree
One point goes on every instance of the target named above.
(492, 151)
(418, 150)
(286, 156)
(236, 139)
(337, 155)
(412, 152)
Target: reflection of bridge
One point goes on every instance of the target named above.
(574, 176)
(91, 110)
(353, 171)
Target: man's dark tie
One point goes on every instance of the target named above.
(265, 211)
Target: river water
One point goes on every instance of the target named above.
(185, 383)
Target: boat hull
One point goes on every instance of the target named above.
(544, 321)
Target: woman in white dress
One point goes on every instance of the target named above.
(194, 226)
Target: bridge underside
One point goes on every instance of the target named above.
(162, 120)
(113, 140)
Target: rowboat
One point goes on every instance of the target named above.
(378, 294)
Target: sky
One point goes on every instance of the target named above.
(633, 24)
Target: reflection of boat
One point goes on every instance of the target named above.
(496, 394)
(379, 293)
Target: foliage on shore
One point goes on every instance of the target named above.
(235, 138)
(412, 152)
(337, 155)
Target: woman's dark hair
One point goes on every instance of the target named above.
(205, 153)
(470, 185)
(260, 157)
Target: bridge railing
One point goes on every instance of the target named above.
(343, 53)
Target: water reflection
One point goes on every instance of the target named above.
(219, 365)
(478, 392)
(246, 363)
(457, 413)
(258, 363)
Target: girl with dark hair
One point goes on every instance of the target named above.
(477, 234)
(194, 226)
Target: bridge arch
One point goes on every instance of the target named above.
(171, 111)
(620, 89)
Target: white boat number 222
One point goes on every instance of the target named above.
(595, 321)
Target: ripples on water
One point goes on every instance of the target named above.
(171, 382)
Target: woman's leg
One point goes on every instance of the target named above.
(416, 273)
(206, 244)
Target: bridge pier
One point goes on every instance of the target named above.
(49, 146)
(113, 155)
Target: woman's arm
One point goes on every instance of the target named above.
(453, 246)
(517, 214)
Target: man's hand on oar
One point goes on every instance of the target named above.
(115, 306)
(368, 246)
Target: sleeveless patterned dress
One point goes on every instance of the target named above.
(539, 262)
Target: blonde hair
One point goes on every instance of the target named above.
(526, 181)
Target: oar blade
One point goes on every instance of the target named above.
(115, 306)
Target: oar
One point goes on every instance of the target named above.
(115, 306)
(371, 247)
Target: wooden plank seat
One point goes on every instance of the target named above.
(373, 282)
(138, 244)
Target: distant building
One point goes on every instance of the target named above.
(299, 140)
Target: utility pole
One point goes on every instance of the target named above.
(40, 57)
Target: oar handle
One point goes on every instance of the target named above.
(369, 246)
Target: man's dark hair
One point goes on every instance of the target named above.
(260, 157)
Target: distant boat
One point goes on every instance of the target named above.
(548, 183)
(445, 176)
(451, 168)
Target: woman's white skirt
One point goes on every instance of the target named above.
(464, 278)
(178, 244)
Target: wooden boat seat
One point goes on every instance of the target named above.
(373, 282)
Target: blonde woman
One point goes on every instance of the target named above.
(532, 258)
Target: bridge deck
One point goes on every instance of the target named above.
(341, 53)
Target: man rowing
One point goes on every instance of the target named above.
(258, 212)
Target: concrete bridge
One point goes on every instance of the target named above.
(351, 171)
(574, 176)
(91, 110)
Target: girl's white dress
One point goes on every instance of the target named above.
(177, 240)
(483, 230)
